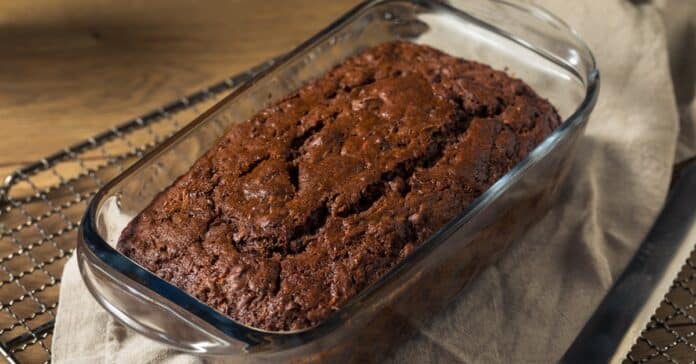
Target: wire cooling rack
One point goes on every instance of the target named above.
(41, 206)
(670, 336)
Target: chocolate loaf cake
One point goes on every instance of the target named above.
(297, 210)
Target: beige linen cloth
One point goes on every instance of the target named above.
(529, 306)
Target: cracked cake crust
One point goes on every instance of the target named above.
(296, 210)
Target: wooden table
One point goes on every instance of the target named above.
(72, 68)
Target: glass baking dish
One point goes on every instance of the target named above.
(527, 41)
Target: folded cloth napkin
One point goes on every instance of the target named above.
(531, 304)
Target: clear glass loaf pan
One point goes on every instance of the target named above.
(527, 41)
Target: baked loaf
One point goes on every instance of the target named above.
(297, 210)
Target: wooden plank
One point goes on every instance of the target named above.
(71, 68)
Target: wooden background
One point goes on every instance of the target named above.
(72, 68)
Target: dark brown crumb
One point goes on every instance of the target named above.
(316, 197)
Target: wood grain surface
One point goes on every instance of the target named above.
(72, 68)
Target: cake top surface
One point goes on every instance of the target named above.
(295, 211)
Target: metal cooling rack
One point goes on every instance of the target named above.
(41, 206)
(670, 336)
